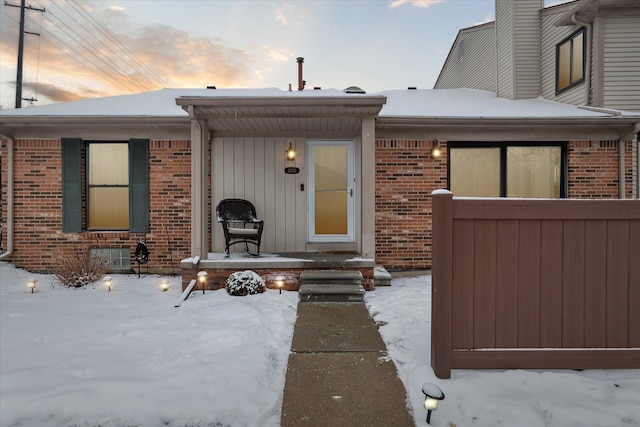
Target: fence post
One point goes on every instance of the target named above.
(441, 282)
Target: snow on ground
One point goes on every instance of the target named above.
(88, 357)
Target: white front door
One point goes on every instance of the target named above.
(331, 192)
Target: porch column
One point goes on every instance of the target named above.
(368, 226)
(199, 188)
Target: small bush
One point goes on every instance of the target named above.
(246, 282)
(80, 268)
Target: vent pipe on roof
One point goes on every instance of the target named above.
(301, 83)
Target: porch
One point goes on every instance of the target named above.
(288, 265)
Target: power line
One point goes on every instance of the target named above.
(117, 42)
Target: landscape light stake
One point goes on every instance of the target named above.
(164, 285)
(280, 283)
(202, 278)
(432, 397)
(107, 283)
(31, 283)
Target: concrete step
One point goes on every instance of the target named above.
(333, 277)
(381, 277)
(322, 292)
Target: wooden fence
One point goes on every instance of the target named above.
(535, 284)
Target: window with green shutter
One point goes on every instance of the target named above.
(117, 185)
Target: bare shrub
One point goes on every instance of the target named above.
(79, 268)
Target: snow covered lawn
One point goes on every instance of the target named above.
(88, 357)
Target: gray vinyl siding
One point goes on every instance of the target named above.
(504, 49)
(253, 169)
(550, 36)
(471, 62)
(621, 74)
(527, 51)
(518, 48)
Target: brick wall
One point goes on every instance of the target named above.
(593, 169)
(38, 232)
(405, 177)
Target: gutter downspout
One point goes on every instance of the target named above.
(10, 201)
(621, 161)
(587, 77)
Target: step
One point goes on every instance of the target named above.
(333, 277)
(381, 277)
(323, 292)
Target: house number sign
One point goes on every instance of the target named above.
(292, 170)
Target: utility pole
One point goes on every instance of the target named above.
(21, 48)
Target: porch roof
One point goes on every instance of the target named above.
(335, 114)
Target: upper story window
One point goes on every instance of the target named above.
(570, 61)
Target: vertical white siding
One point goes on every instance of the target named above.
(621, 74)
(253, 169)
(471, 62)
(550, 36)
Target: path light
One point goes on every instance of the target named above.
(31, 283)
(280, 282)
(107, 282)
(164, 285)
(432, 397)
(202, 278)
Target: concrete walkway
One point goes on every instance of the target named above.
(339, 373)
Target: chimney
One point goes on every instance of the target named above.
(301, 82)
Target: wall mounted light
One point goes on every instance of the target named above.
(432, 397)
(291, 152)
(280, 282)
(31, 284)
(107, 282)
(436, 152)
(202, 278)
(164, 285)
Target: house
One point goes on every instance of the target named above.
(105, 174)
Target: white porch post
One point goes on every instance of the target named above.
(199, 187)
(368, 188)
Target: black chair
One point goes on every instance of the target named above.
(240, 224)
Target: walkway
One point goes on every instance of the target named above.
(339, 373)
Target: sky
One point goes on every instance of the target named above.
(95, 48)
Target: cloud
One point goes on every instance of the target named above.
(415, 3)
(148, 57)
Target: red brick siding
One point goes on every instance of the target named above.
(593, 169)
(38, 232)
(405, 177)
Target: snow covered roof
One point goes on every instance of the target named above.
(463, 103)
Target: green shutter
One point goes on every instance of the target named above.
(139, 185)
(71, 185)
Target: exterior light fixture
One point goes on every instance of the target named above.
(280, 282)
(202, 278)
(107, 282)
(164, 285)
(436, 152)
(432, 397)
(291, 152)
(31, 284)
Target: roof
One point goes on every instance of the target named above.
(314, 113)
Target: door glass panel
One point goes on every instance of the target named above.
(475, 172)
(533, 172)
(330, 186)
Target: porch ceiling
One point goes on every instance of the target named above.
(283, 116)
